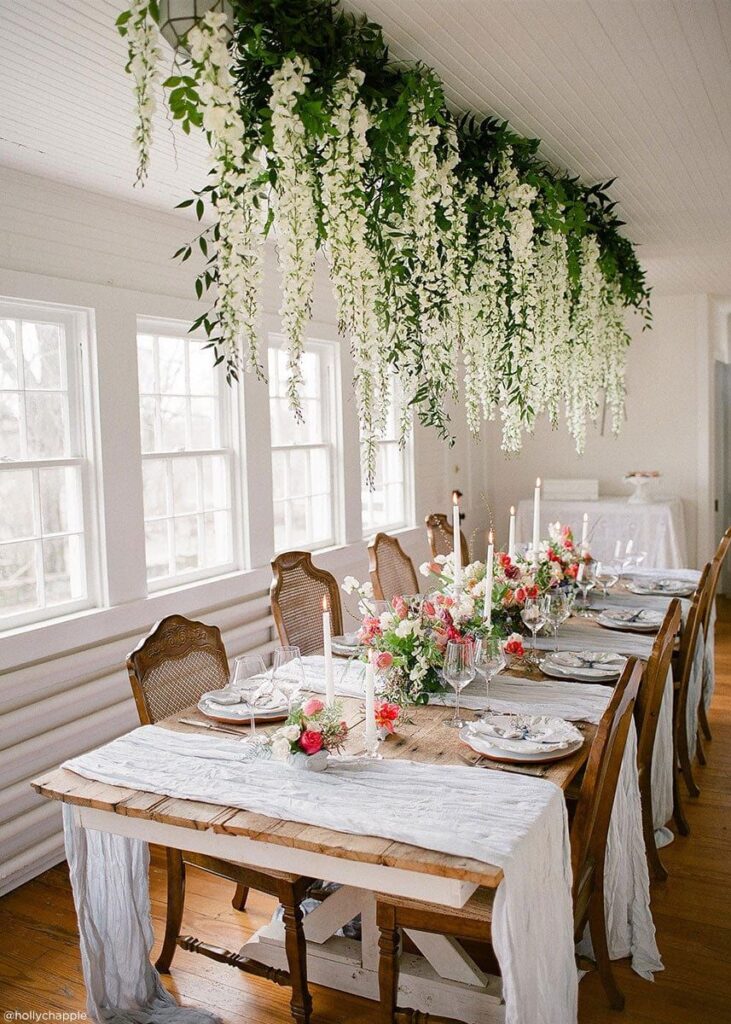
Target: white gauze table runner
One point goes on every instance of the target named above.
(514, 821)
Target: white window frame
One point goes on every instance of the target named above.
(77, 376)
(332, 416)
(229, 449)
(407, 460)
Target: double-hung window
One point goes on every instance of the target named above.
(187, 457)
(388, 505)
(304, 455)
(45, 472)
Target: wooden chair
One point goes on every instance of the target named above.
(296, 594)
(169, 670)
(718, 560)
(392, 571)
(588, 845)
(440, 535)
(647, 711)
(690, 636)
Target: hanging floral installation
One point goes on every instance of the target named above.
(459, 258)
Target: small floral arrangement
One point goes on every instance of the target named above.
(387, 715)
(514, 646)
(310, 728)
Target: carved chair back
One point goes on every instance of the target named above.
(177, 662)
(296, 594)
(440, 535)
(392, 571)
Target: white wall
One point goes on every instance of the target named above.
(668, 417)
(63, 687)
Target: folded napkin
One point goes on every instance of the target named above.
(630, 615)
(223, 697)
(525, 734)
(267, 695)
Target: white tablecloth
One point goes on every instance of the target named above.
(657, 528)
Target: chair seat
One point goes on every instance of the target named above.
(477, 909)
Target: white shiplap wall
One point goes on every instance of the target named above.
(63, 686)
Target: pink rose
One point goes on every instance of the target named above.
(428, 608)
(435, 567)
(311, 707)
(384, 660)
(310, 741)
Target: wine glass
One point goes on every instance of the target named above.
(489, 660)
(556, 611)
(459, 670)
(607, 575)
(533, 616)
(586, 581)
(288, 672)
(248, 675)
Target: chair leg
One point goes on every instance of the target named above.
(687, 770)
(657, 870)
(598, 931)
(703, 720)
(699, 751)
(174, 911)
(240, 896)
(296, 949)
(388, 965)
(681, 822)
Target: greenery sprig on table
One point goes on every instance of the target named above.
(451, 243)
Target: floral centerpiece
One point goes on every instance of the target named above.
(312, 730)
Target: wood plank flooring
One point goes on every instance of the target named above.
(39, 960)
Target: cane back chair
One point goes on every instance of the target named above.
(588, 846)
(296, 594)
(169, 670)
(440, 535)
(392, 571)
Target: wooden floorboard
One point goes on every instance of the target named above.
(40, 970)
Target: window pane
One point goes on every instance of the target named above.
(215, 482)
(155, 488)
(62, 569)
(217, 538)
(16, 504)
(172, 365)
(172, 424)
(146, 363)
(8, 355)
(186, 544)
(46, 425)
(203, 426)
(60, 500)
(148, 406)
(10, 437)
(185, 486)
(18, 582)
(386, 504)
(202, 370)
(157, 549)
(42, 355)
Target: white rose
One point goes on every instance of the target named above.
(350, 584)
(424, 569)
(290, 733)
(367, 589)
(405, 628)
(280, 749)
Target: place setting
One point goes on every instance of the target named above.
(660, 586)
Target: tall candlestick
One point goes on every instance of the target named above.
(328, 651)
(618, 549)
(488, 579)
(457, 542)
(511, 535)
(371, 735)
(536, 521)
(628, 549)
(585, 534)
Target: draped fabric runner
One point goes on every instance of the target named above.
(514, 821)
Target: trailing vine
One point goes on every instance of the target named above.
(456, 252)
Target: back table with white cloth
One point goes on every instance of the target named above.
(655, 527)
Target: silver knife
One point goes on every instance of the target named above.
(213, 728)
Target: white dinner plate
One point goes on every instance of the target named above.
(558, 667)
(239, 714)
(481, 745)
(623, 619)
(661, 588)
(346, 644)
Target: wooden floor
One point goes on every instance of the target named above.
(39, 961)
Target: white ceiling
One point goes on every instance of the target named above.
(637, 89)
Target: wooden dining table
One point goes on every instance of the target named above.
(444, 977)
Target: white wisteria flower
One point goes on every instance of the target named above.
(143, 57)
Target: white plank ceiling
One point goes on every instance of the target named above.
(637, 89)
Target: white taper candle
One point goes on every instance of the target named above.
(371, 736)
(536, 521)
(585, 534)
(488, 579)
(328, 652)
(457, 542)
(511, 535)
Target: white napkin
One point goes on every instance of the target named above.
(643, 616)
(525, 734)
(226, 697)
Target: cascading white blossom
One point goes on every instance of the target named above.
(238, 197)
(143, 56)
(552, 334)
(584, 382)
(295, 211)
(457, 258)
(354, 267)
(615, 344)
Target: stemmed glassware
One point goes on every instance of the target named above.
(586, 581)
(489, 660)
(607, 575)
(459, 670)
(288, 672)
(248, 674)
(533, 616)
(556, 610)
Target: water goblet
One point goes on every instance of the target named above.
(248, 675)
(607, 575)
(288, 672)
(556, 611)
(459, 670)
(533, 616)
(489, 660)
(586, 581)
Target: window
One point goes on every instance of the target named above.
(187, 458)
(387, 507)
(44, 485)
(304, 455)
